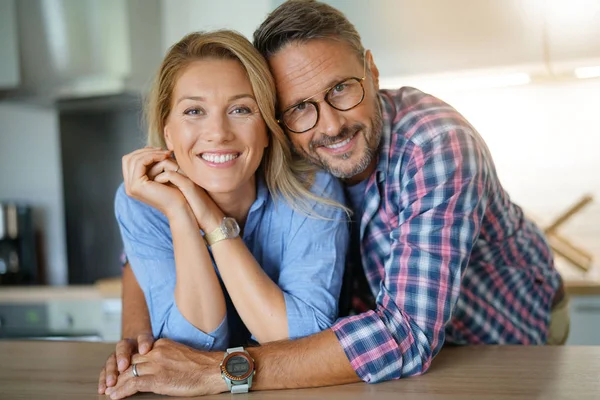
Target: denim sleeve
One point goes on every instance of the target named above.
(149, 248)
(313, 264)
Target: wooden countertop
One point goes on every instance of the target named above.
(69, 371)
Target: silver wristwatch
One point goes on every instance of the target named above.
(237, 369)
(229, 229)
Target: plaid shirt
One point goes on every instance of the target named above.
(447, 255)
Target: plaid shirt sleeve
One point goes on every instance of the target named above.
(436, 197)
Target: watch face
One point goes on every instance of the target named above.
(231, 228)
(237, 366)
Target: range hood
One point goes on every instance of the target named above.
(72, 49)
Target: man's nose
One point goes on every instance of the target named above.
(331, 120)
(217, 129)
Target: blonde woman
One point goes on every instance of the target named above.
(223, 229)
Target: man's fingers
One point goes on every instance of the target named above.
(140, 359)
(145, 341)
(123, 354)
(111, 370)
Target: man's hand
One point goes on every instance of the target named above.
(172, 369)
(119, 360)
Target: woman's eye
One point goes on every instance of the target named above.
(193, 111)
(241, 110)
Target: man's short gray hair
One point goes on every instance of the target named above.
(304, 20)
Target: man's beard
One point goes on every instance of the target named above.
(372, 139)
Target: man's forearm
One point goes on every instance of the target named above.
(314, 361)
(135, 317)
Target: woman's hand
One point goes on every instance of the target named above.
(141, 186)
(208, 215)
(120, 359)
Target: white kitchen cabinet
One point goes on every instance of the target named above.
(9, 56)
(585, 320)
(73, 314)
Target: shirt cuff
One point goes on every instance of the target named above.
(179, 329)
(370, 348)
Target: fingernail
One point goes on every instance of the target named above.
(100, 389)
(109, 391)
(110, 380)
(121, 365)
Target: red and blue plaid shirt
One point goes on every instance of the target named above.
(447, 256)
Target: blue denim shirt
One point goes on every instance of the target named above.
(304, 255)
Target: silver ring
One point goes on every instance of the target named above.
(134, 370)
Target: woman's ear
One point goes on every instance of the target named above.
(372, 68)
(167, 136)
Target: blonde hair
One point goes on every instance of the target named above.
(286, 175)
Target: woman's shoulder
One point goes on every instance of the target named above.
(137, 215)
(324, 186)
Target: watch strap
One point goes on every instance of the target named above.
(215, 236)
(235, 349)
(243, 388)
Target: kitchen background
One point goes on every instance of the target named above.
(526, 73)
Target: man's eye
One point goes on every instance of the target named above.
(340, 87)
(300, 107)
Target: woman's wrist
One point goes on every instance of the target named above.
(211, 221)
(181, 214)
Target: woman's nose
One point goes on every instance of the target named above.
(217, 130)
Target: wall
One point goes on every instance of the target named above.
(31, 173)
(9, 67)
(184, 16)
(545, 140)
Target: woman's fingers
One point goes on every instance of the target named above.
(166, 165)
(145, 342)
(139, 164)
(102, 381)
(111, 371)
(177, 179)
(123, 353)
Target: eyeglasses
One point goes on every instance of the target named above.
(343, 96)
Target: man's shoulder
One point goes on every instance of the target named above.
(420, 117)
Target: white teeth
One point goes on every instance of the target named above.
(340, 144)
(219, 158)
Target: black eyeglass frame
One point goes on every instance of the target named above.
(315, 103)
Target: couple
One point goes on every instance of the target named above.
(232, 238)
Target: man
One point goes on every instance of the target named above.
(447, 257)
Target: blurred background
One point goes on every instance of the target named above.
(73, 74)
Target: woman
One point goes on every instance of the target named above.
(220, 161)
